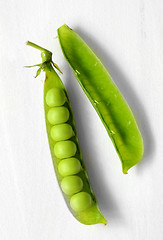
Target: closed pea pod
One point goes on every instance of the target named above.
(66, 156)
(105, 97)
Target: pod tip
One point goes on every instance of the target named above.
(105, 222)
(125, 170)
(67, 26)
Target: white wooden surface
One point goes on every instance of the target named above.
(127, 36)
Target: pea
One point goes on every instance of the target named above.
(80, 201)
(64, 149)
(58, 115)
(105, 97)
(55, 97)
(71, 185)
(69, 166)
(61, 132)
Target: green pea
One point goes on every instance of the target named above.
(81, 201)
(61, 132)
(69, 166)
(71, 185)
(64, 149)
(58, 115)
(55, 97)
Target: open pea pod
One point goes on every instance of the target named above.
(63, 142)
(105, 97)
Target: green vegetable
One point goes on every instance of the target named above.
(61, 132)
(71, 185)
(81, 201)
(65, 149)
(71, 172)
(104, 96)
(58, 115)
(69, 166)
(55, 97)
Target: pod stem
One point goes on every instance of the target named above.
(46, 56)
(31, 44)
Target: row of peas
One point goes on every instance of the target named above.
(65, 149)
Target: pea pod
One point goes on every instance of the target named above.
(105, 97)
(66, 155)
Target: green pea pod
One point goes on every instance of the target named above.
(104, 96)
(66, 155)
